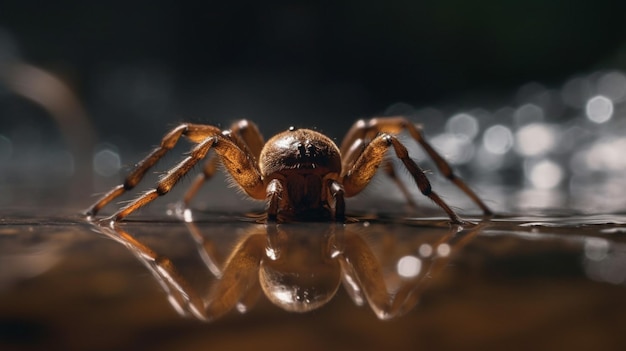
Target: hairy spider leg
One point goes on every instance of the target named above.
(352, 152)
(247, 136)
(367, 130)
(371, 157)
(195, 132)
(239, 163)
(389, 169)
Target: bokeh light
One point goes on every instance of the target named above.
(457, 148)
(498, 139)
(463, 124)
(535, 139)
(425, 250)
(443, 250)
(599, 109)
(527, 114)
(545, 174)
(106, 162)
(576, 92)
(409, 266)
(613, 86)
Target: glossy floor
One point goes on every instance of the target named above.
(226, 282)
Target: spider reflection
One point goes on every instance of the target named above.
(301, 267)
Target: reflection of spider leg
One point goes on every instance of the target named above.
(180, 294)
(362, 131)
(364, 279)
(240, 275)
(238, 283)
(207, 250)
(364, 167)
(238, 286)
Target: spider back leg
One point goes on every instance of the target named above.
(366, 130)
(247, 136)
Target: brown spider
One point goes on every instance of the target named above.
(301, 173)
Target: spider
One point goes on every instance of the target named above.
(300, 173)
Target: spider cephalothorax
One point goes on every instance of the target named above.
(301, 173)
(301, 166)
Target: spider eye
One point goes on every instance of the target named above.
(302, 149)
(292, 128)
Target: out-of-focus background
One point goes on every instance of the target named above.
(522, 93)
(525, 98)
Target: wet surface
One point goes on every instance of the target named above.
(509, 282)
(549, 272)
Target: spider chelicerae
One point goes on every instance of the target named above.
(300, 173)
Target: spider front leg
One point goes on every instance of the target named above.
(367, 130)
(365, 166)
(237, 162)
(194, 132)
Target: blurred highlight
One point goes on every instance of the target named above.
(557, 147)
(24, 148)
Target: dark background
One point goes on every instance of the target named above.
(142, 66)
